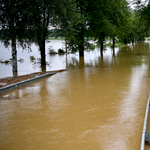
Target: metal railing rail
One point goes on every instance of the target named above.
(21, 83)
(145, 124)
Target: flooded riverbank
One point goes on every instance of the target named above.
(98, 103)
(30, 60)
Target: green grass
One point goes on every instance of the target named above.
(147, 38)
(55, 38)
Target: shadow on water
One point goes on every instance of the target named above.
(92, 59)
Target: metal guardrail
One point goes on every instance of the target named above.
(18, 84)
(145, 124)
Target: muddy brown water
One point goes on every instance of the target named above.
(95, 105)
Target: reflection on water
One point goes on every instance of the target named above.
(28, 66)
(31, 60)
(98, 103)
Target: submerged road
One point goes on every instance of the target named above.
(97, 104)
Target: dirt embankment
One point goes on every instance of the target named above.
(10, 80)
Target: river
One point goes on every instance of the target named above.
(98, 103)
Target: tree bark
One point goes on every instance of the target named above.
(81, 43)
(42, 52)
(14, 56)
(101, 42)
(113, 42)
(43, 68)
(101, 49)
(81, 62)
(81, 34)
(43, 34)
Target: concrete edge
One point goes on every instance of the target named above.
(21, 83)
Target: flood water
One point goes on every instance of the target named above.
(98, 103)
(27, 65)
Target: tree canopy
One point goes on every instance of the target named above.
(77, 20)
(13, 27)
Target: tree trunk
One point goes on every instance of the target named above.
(81, 62)
(81, 43)
(43, 37)
(101, 49)
(113, 43)
(113, 52)
(101, 42)
(43, 68)
(42, 52)
(81, 50)
(66, 46)
(15, 74)
(102, 46)
(14, 56)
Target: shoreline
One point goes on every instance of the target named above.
(11, 80)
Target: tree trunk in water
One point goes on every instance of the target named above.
(81, 43)
(101, 42)
(81, 51)
(81, 62)
(113, 52)
(114, 47)
(101, 49)
(14, 57)
(66, 45)
(42, 52)
(113, 43)
(132, 41)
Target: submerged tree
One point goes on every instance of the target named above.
(78, 26)
(141, 22)
(98, 19)
(109, 19)
(13, 18)
(41, 14)
(28, 21)
(46, 14)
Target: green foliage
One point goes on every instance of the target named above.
(143, 24)
(6, 62)
(76, 21)
(55, 38)
(90, 46)
(61, 51)
(9, 61)
(51, 50)
(13, 21)
(117, 44)
(32, 58)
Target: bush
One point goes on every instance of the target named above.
(32, 58)
(51, 50)
(61, 51)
